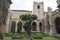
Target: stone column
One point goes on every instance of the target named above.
(38, 30)
(8, 21)
(50, 21)
(23, 22)
(42, 25)
(16, 26)
(46, 27)
(7, 24)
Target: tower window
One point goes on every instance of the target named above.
(38, 6)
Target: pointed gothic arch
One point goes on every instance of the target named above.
(40, 26)
(34, 26)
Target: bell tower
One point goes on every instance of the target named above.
(38, 9)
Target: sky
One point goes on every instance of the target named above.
(28, 4)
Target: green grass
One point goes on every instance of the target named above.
(50, 38)
(14, 36)
(44, 36)
(34, 36)
(7, 38)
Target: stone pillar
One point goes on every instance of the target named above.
(42, 25)
(46, 27)
(38, 30)
(50, 15)
(16, 27)
(46, 23)
(23, 22)
(50, 21)
(8, 22)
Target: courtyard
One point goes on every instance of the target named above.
(34, 24)
(34, 36)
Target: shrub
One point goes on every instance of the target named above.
(13, 25)
(19, 28)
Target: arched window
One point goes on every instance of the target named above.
(38, 7)
(57, 24)
(33, 26)
(40, 26)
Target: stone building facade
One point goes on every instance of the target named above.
(47, 22)
(14, 15)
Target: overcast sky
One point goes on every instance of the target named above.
(28, 4)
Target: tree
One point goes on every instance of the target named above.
(19, 26)
(13, 25)
(28, 18)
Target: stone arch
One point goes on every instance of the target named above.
(19, 26)
(57, 24)
(34, 26)
(40, 26)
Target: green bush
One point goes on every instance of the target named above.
(19, 26)
(8, 35)
(13, 25)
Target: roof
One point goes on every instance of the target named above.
(22, 10)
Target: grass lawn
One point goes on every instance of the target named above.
(33, 36)
(44, 36)
(50, 38)
(7, 38)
